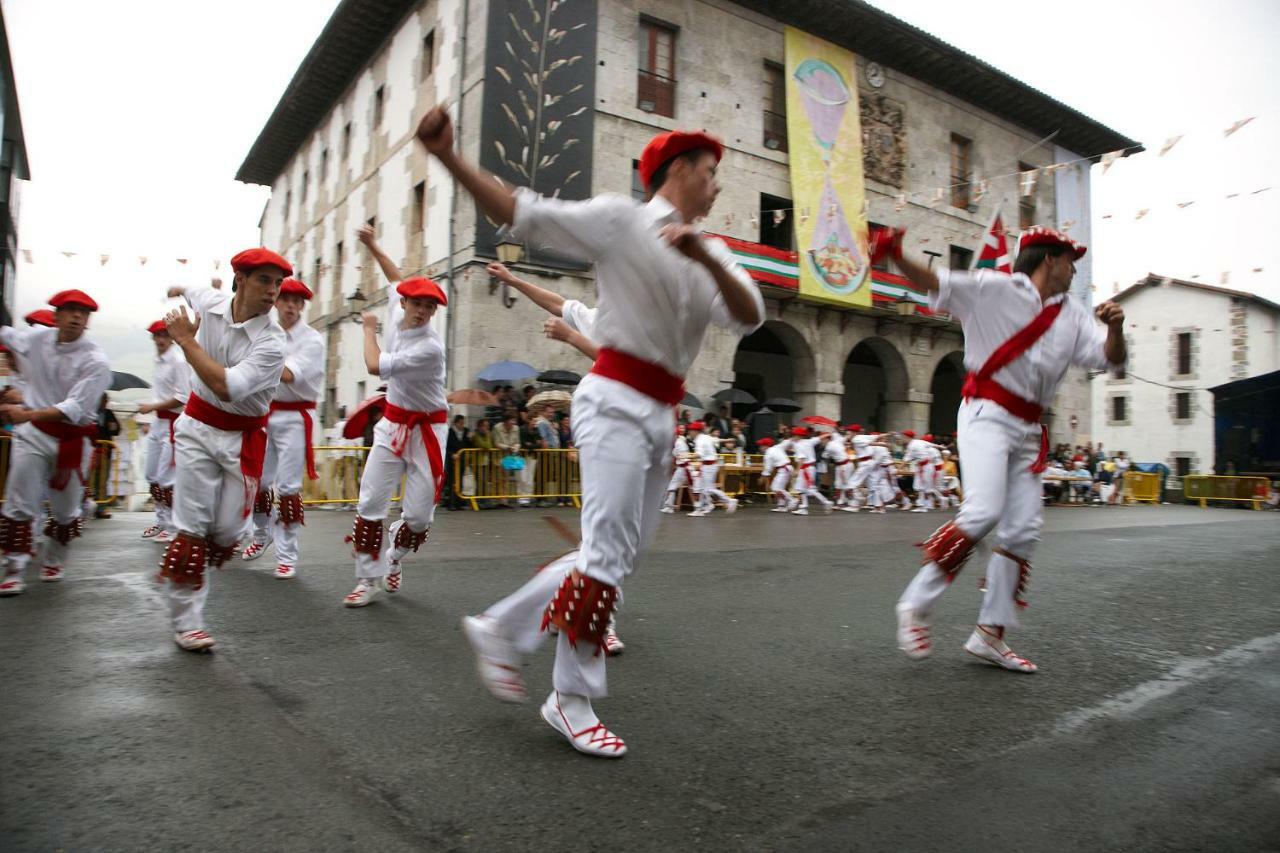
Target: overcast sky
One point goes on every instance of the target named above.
(137, 114)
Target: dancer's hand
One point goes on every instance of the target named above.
(435, 131)
(685, 239)
(366, 235)
(176, 292)
(370, 321)
(180, 326)
(1110, 313)
(556, 329)
(499, 271)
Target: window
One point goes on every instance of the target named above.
(775, 107)
(1182, 465)
(306, 180)
(338, 258)
(960, 150)
(315, 276)
(324, 165)
(419, 207)
(345, 151)
(1184, 353)
(379, 98)
(775, 228)
(1027, 202)
(1119, 409)
(961, 258)
(1182, 405)
(637, 186)
(360, 390)
(428, 55)
(656, 78)
(288, 204)
(883, 264)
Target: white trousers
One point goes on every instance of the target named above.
(160, 469)
(624, 444)
(284, 467)
(807, 486)
(709, 478)
(210, 500)
(781, 479)
(382, 472)
(1001, 493)
(843, 479)
(679, 479)
(33, 459)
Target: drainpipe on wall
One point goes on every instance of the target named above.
(450, 335)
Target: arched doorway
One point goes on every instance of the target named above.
(875, 385)
(948, 377)
(771, 362)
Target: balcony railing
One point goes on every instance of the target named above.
(655, 93)
(775, 131)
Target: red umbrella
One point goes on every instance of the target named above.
(819, 420)
(359, 419)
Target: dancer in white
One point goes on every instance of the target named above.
(707, 450)
(65, 376)
(863, 460)
(1021, 333)
(660, 283)
(836, 452)
(805, 448)
(236, 351)
(681, 455)
(171, 386)
(290, 435)
(917, 454)
(777, 473)
(408, 442)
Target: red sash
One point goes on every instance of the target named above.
(70, 449)
(170, 415)
(304, 406)
(409, 421)
(646, 377)
(981, 386)
(253, 441)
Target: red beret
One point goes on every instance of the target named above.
(422, 288)
(1041, 236)
(251, 259)
(699, 425)
(41, 317)
(909, 433)
(854, 428)
(297, 288)
(157, 327)
(765, 442)
(673, 143)
(800, 432)
(73, 297)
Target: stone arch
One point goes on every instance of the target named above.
(948, 377)
(876, 385)
(773, 361)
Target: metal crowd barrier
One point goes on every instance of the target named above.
(493, 475)
(1206, 487)
(1140, 487)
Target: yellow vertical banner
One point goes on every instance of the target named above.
(824, 140)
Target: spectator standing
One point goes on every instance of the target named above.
(459, 439)
(506, 438)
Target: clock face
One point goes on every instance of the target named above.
(875, 75)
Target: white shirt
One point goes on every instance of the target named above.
(993, 306)
(252, 352)
(655, 303)
(681, 449)
(933, 453)
(578, 317)
(916, 451)
(69, 377)
(706, 448)
(861, 445)
(806, 451)
(413, 365)
(172, 379)
(774, 458)
(304, 356)
(835, 449)
(881, 456)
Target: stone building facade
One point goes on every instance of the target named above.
(1184, 338)
(339, 152)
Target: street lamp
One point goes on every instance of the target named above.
(509, 254)
(355, 306)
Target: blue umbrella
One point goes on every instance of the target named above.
(507, 371)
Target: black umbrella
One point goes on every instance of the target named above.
(124, 381)
(559, 377)
(733, 396)
(691, 401)
(783, 404)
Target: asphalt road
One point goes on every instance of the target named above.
(761, 696)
